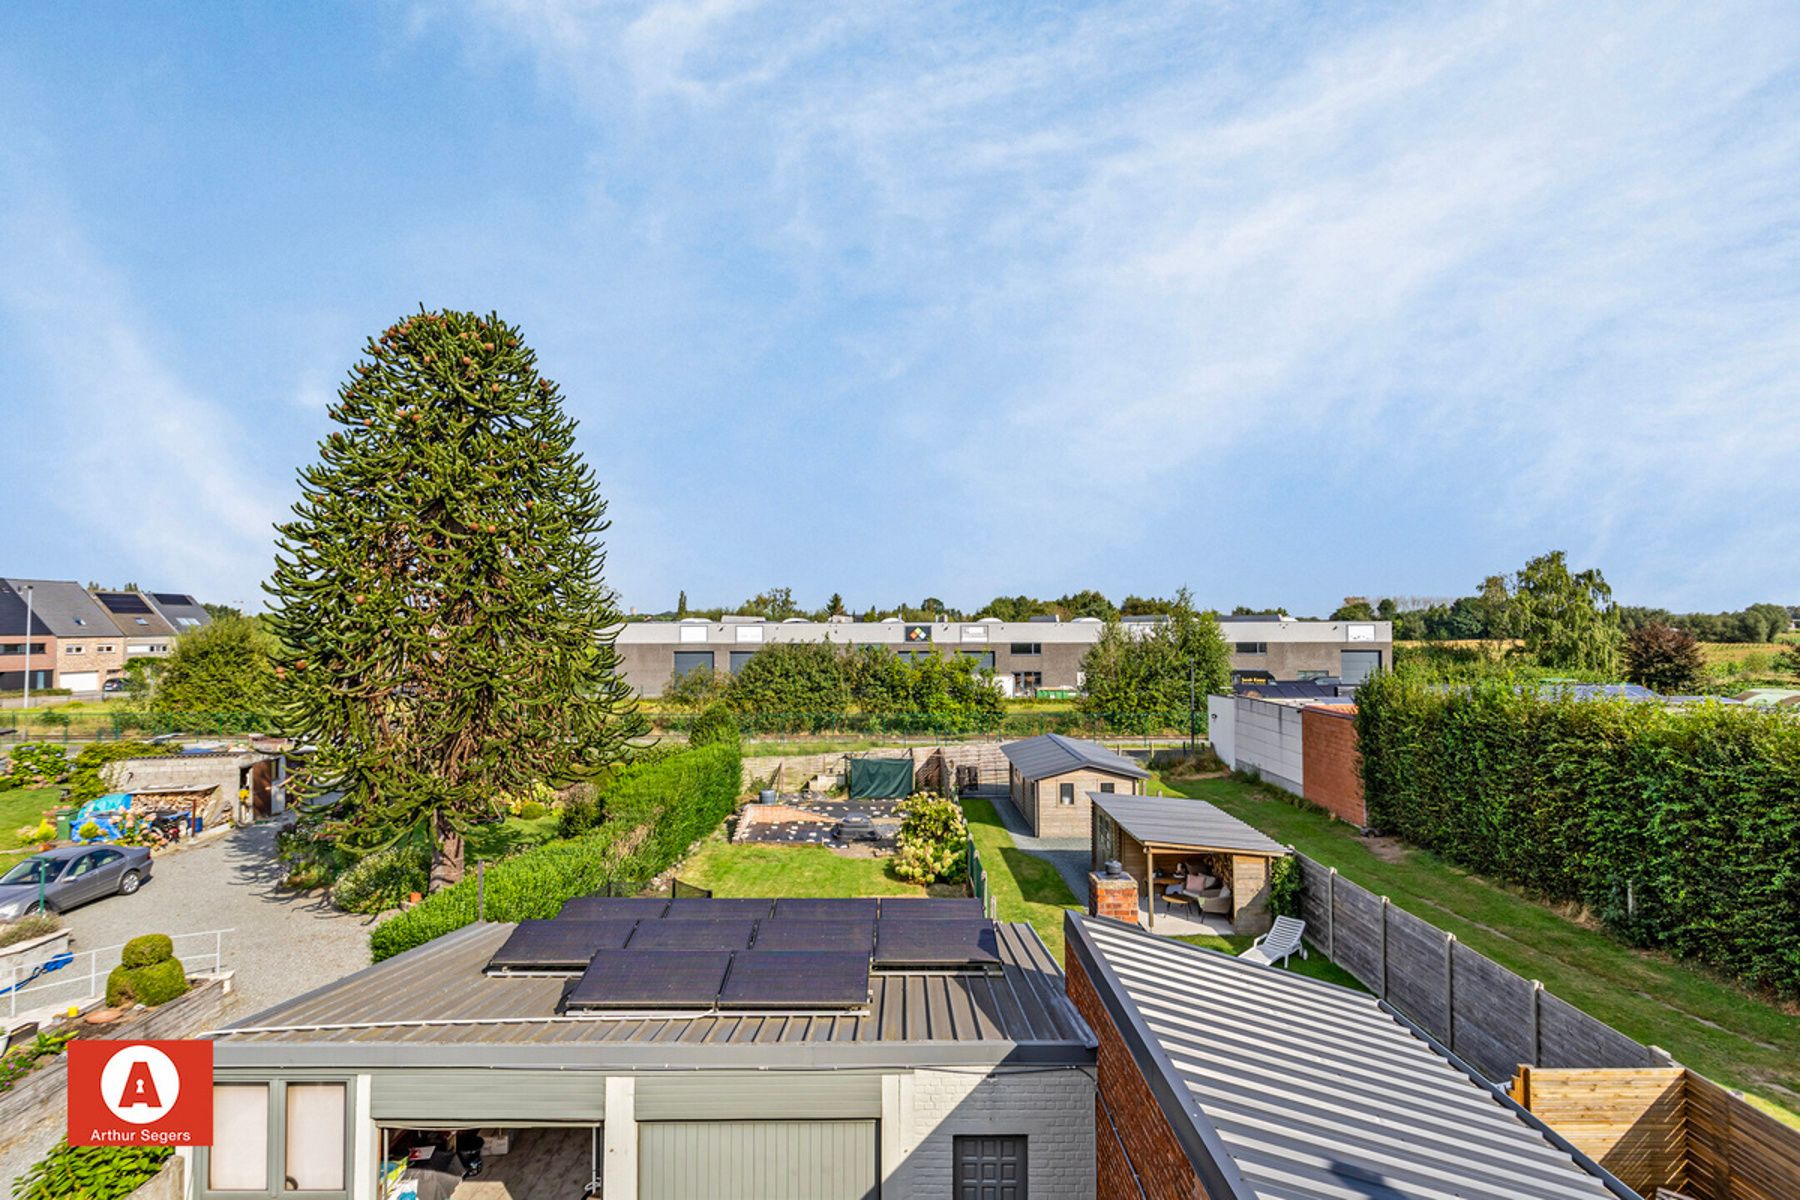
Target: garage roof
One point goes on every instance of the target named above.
(1053, 754)
(1178, 821)
(434, 1006)
(1281, 1087)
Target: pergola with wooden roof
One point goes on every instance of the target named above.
(1145, 833)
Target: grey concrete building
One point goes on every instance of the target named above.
(1271, 648)
(934, 1078)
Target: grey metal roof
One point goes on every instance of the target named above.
(434, 1006)
(1282, 1087)
(62, 608)
(1178, 821)
(1053, 754)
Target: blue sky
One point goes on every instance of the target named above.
(1282, 302)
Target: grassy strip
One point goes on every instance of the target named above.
(1025, 887)
(729, 869)
(1704, 1022)
(20, 807)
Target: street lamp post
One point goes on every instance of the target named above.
(25, 702)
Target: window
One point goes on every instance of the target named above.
(1310, 676)
(692, 633)
(693, 660)
(279, 1140)
(1253, 647)
(974, 633)
(989, 1168)
(84, 865)
(1108, 789)
(104, 648)
(749, 633)
(1065, 793)
(1360, 633)
(20, 648)
(74, 649)
(983, 659)
(1027, 647)
(739, 658)
(187, 622)
(1027, 682)
(141, 620)
(101, 857)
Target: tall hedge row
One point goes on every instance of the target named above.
(653, 813)
(1679, 827)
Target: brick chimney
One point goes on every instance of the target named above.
(1112, 893)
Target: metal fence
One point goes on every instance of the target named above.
(978, 878)
(1490, 1017)
(76, 976)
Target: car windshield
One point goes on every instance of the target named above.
(29, 871)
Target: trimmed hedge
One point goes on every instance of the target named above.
(1679, 827)
(654, 811)
(91, 1172)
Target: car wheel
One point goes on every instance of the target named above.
(129, 883)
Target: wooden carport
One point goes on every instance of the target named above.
(1143, 832)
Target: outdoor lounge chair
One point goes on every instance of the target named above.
(1277, 945)
(1216, 901)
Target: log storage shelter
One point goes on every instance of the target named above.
(1156, 838)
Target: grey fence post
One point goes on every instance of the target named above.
(1537, 999)
(1384, 915)
(481, 891)
(1331, 915)
(1450, 989)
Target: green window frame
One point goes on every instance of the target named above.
(276, 1134)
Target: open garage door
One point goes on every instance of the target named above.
(758, 1160)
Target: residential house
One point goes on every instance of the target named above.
(89, 647)
(145, 630)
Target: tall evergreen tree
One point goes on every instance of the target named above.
(681, 604)
(446, 631)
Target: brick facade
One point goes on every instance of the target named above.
(1333, 767)
(1051, 1108)
(1136, 1154)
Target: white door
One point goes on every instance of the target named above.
(79, 681)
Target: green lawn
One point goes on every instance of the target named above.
(489, 843)
(730, 869)
(20, 807)
(1704, 1022)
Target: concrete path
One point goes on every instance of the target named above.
(1069, 855)
(284, 942)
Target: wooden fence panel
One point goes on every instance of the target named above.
(1494, 1019)
(1568, 1037)
(1632, 1122)
(1315, 902)
(1747, 1154)
(1708, 1139)
(1418, 972)
(1357, 922)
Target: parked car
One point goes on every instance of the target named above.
(72, 875)
(113, 687)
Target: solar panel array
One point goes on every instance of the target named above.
(122, 602)
(646, 952)
(173, 598)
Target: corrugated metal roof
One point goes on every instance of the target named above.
(427, 1003)
(1310, 1091)
(1053, 754)
(1178, 821)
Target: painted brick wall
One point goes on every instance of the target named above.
(1267, 736)
(1333, 777)
(1053, 1108)
(1136, 1151)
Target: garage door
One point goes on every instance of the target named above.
(757, 1160)
(1358, 665)
(79, 681)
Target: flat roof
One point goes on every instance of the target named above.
(1179, 821)
(1282, 1087)
(435, 1006)
(1053, 754)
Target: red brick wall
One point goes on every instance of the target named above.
(1135, 1151)
(1330, 763)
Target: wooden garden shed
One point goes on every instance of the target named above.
(1153, 837)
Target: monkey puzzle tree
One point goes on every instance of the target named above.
(445, 630)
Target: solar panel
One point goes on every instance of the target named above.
(731, 908)
(796, 979)
(865, 908)
(856, 935)
(613, 908)
(559, 945)
(935, 944)
(650, 979)
(123, 602)
(693, 935)
(173, 598)
(919, 908)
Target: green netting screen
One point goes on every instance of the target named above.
(880, 778)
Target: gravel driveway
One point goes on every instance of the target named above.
(284, 942)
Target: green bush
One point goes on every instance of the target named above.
(531, 810)
(580, 811)
(1679, 827)
(1286, 885)
(33, 764)
(150, 986)
(932, 841)
(383, 880)
(86, 780)
(715, 727)
(88, 832)
(90, 1172)
(147, 950)
(655, 810)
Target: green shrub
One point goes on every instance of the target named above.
(531, 810)
(580, 811)
(655, 810)
(932, 841)
(715, 727)
(147, 950)
(1287, 884)
(150, 986)
(33, 764)
(86, 780)
(88, 832)
(1679, 827)
(21, 1061)
(383, 880)
(90, 1172)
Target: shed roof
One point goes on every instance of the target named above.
(1282, 1087)
(1178, 821)
(1053, 754)
(434, 1006)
